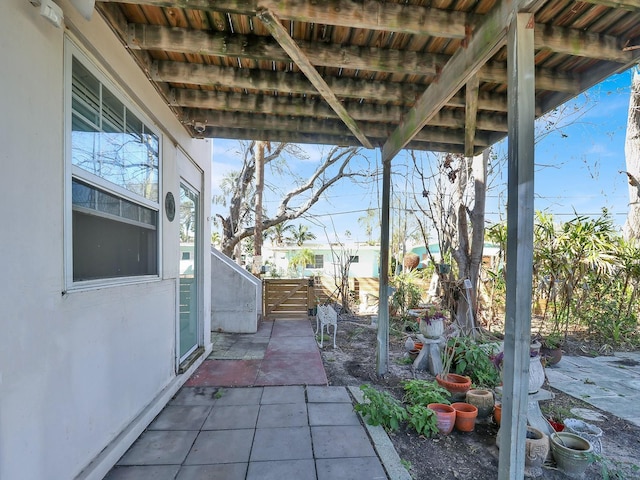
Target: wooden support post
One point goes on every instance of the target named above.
(521, 101)
(382, 357)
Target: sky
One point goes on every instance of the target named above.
(578, 165)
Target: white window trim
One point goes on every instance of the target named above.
(71, 49)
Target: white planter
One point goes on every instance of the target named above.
(433, 330)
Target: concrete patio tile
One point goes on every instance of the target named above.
(328, 394)
(221, 446)
(156, 472)
(282, 415)
(265, 328)
(181, 417)
(288, 394)
(225, 373)
(232, 417)
(340, 442)
(292, 328)
(293, 443)
(292, 369)
(350, 469)
(282, 470)
(288, 344)
(332, 414)
(240, 396)
(227, 471)
(195, 396)
(159, 448)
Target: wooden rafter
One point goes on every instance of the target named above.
(631, 5)
(272, 23)
(372, 15)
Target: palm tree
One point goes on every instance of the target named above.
(302, 235)
(277, 233)
(301, 259)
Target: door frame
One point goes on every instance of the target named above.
(192, 176)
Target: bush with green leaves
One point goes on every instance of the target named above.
(424, 392)
(381, 408)
(407, 293)
(423, 420)
(471, 360)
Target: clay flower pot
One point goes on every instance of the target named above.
(456, 384)
(446, 416)
(413, 354)
(465, 416)
(497, 413)
(483, 400)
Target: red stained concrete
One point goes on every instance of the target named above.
(291, 357)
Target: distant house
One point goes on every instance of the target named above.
(489, 254)
(365, 259)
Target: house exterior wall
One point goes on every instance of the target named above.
(77, 368)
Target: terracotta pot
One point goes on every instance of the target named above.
(446, 416)
(465, 416)
(413, 354)
(497, 413)
(551, 355)
(483, 400)
(418, 345)
(456, 384)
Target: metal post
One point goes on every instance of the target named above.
(382, 358)
(521, 111)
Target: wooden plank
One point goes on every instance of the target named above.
(153, 37)
(579, 43)
(368, 14)
(272, 22)
(484, 43)
(444, 119)
(631, 5)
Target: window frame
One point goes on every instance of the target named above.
(73, 172)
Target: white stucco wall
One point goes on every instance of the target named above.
(236, 302)
(75, 369)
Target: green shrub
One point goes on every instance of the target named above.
(423, 420)
(381, 409)
(424, 392)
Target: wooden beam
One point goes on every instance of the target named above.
(272, 23)
(321, 139)
(368, 14)
(285, 83)
(484, 43)
(471, 115)
(250, 119)
(204, 42)
(631, 5)
(448, 129)
(155, 37)
(287, 107)
(582, 44)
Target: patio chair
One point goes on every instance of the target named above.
(326, 316)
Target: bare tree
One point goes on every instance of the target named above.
(239, 223)
(632, 158)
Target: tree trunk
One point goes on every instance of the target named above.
(632, 157)
(468, 255)
(257, 239)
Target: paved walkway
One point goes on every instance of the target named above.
(609, 383)
(280, 421)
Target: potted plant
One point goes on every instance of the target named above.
(458, 385)
(551, 349)
(432, 323)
